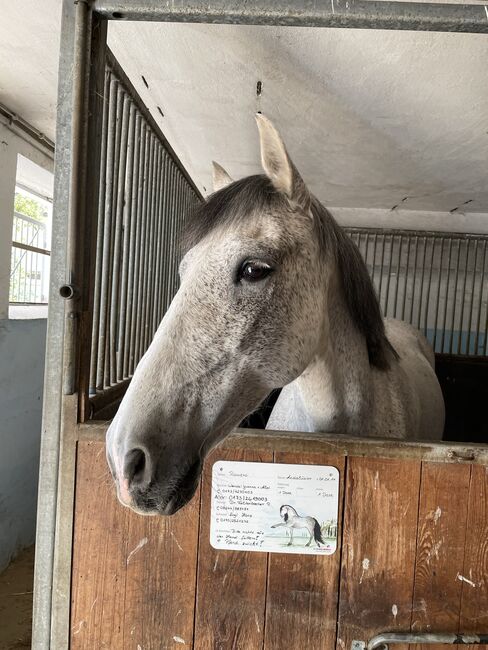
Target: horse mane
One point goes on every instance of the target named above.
(235, 202)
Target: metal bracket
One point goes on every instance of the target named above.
(383, 641)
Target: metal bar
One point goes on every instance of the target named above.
(388, 279)
(126, 226)
(147, 248)
(107, 229)
(99, 247)
(132, 248)
(398, 269)
(414, 279)
(429, 285)
(150, 246)
(149, 119)
(118, 198)
(25, 217)
(439, 276)
(405, 284)
(135, 321)
(446, 297)
(471, 298)
(142, 249)
(461, 322)
(383, 641)
(32, 249)
(480, 302)
(453, 319)
(157, 241)
(354, 14)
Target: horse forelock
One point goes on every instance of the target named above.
(239, 201)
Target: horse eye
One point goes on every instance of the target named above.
(254, 270)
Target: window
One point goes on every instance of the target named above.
(31, 243)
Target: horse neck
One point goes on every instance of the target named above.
(336, 387)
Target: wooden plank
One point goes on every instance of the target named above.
(333, 444)
(474, 599)
(379, 542)
(133, 579)
(231, 587)
(302, 592)
(440, 549)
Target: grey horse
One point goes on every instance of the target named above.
(273, 294)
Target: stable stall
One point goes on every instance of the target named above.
(410, 556)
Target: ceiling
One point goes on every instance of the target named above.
(372, 119)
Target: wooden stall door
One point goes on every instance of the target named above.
(414, 556)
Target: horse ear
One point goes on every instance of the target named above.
(220, 177)
(278, 165)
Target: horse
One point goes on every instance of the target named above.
(273, 294)
(292, 520)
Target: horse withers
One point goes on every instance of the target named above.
(273, 294)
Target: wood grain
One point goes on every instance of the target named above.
(231, 584)
(474, 598)
(379, 542)
(302, 592)
(440, 549)
(133, 578)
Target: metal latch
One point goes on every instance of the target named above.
(383, 641)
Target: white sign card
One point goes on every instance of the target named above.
(273, 507)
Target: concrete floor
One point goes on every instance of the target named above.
(16, 602)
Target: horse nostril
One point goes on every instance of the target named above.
(135, 466)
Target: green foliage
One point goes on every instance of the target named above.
(30, 207)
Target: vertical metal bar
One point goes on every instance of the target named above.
(147, 249)
(135, 317)
(52, 394)
(169, 253)
(446, 296)
(167, 235)
(470, 318)
(414, 280)
(398, 271)
(480, 301)
(142, 250)
(375, 242)
(107, 229)
(388, 279)
(110, 370)
(152, 236)
(437, 302)
(126, 227)
(99, 251)
(429, 286)
(463, 298)
(382, 268)
(132, 261)
(157, 243)
(405, 284)
(160, 241)
(454, 304)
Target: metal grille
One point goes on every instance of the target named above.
(435, 281)
(144, 196)
(29, 274)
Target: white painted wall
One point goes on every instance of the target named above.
(22, 352)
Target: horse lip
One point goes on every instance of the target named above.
(182, 493)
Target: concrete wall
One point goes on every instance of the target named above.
(22, 344)
(22, 352)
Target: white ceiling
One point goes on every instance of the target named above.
(370, 117)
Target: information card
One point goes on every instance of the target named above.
(274, 507)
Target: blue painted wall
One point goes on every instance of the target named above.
(22, 350)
